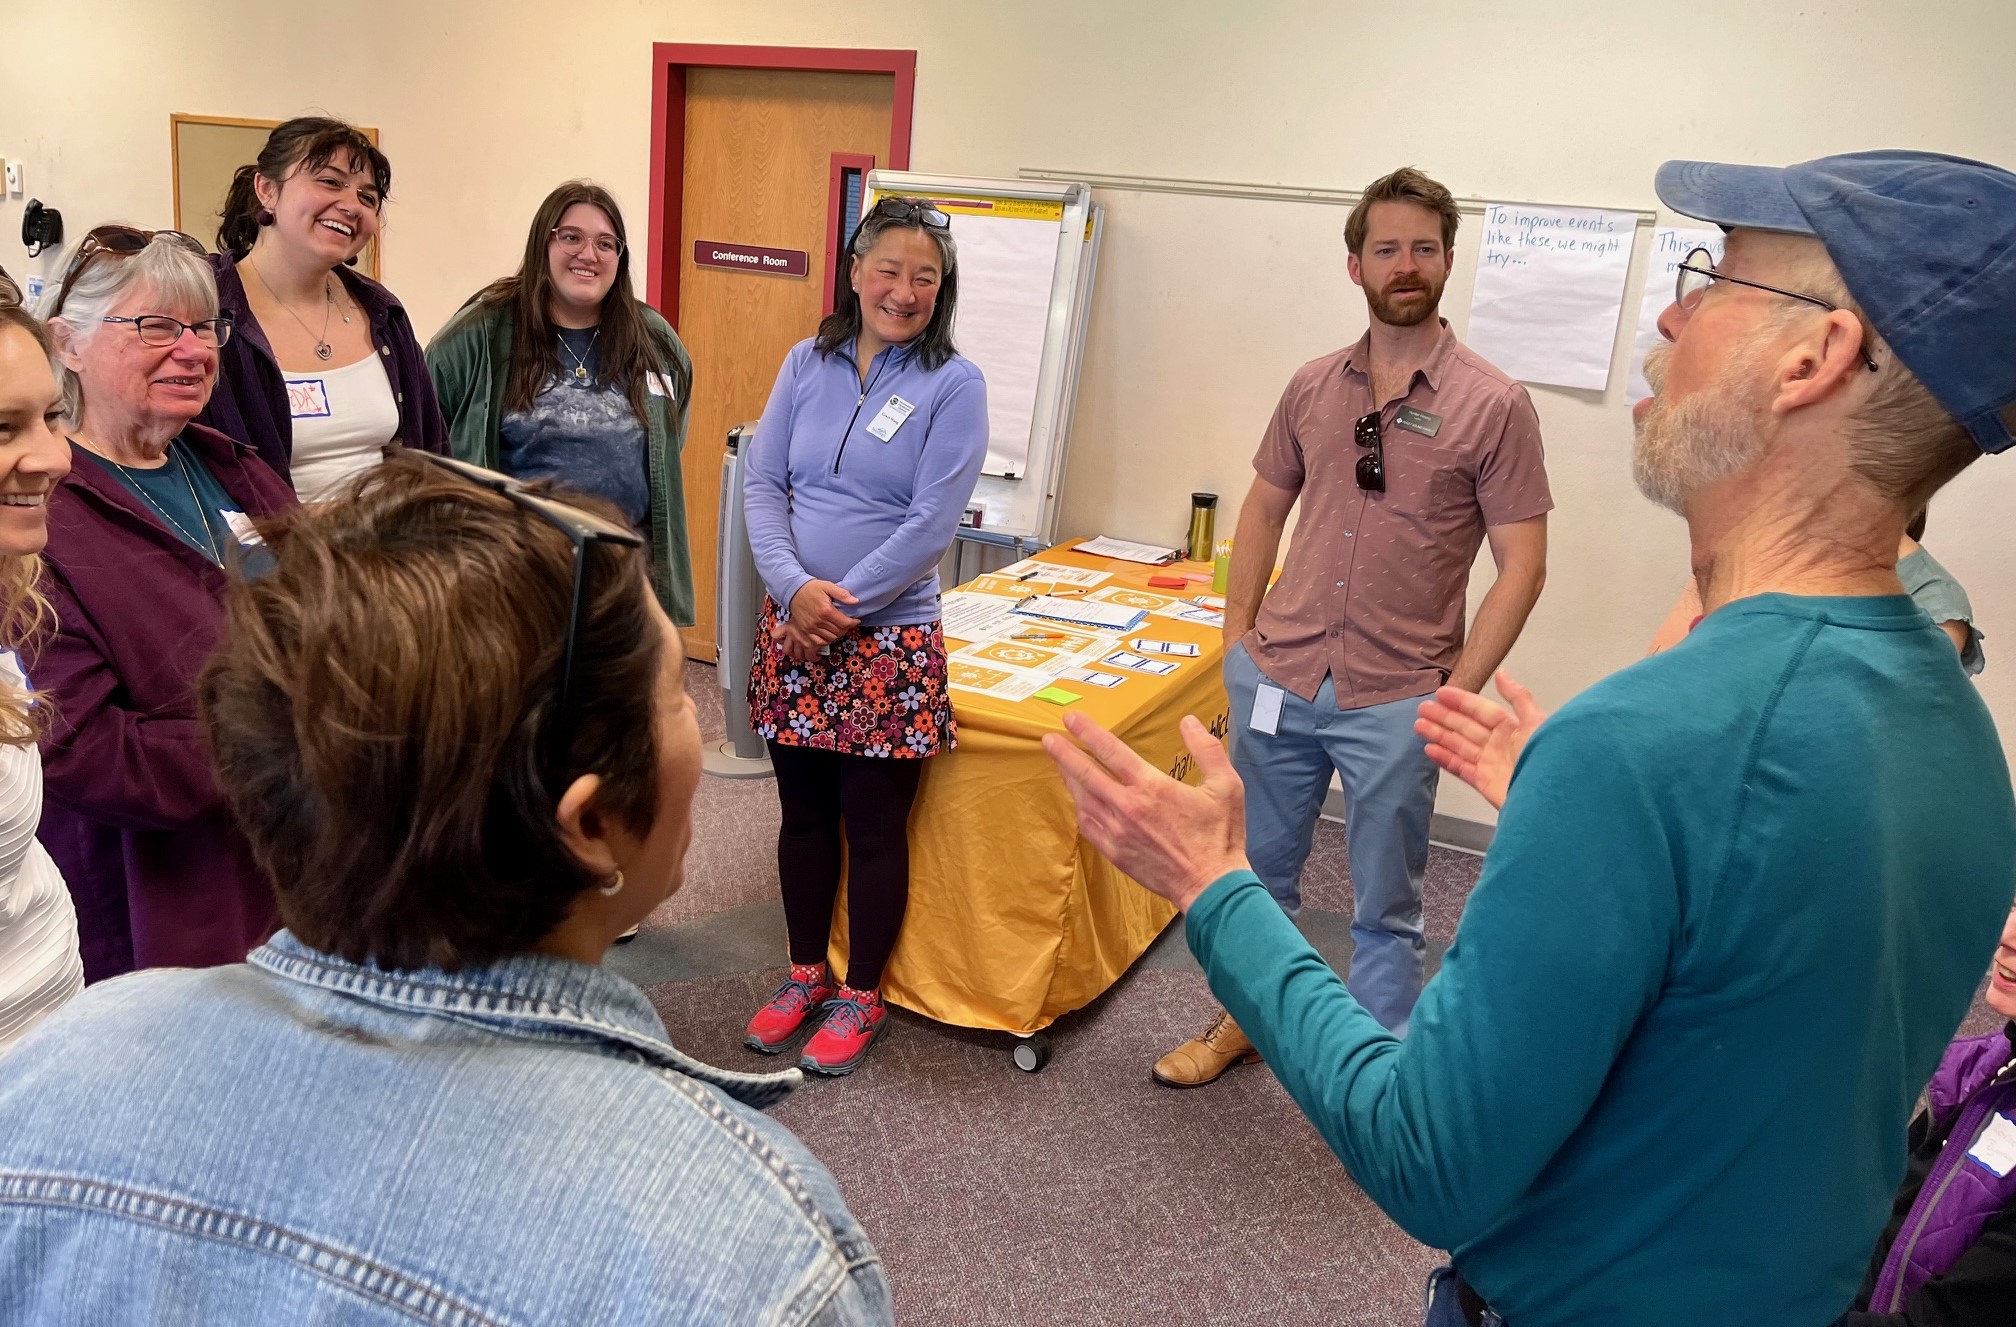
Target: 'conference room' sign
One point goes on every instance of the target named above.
(749, 258)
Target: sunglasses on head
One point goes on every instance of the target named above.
(582, 528)
(1372, 465)
(122, 242)
(912, 209)
(9, 292)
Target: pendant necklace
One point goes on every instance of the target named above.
(580, 364)
(323, 350)
(208, 544)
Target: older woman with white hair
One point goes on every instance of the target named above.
(155, 516)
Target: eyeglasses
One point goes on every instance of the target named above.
(158, 329)
(911, 209)
(123, 241)
(1698, 273)
(582, 528)
(573, 241)
(1372, 465)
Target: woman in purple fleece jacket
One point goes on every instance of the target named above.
(1948, 1256)
(154, 516)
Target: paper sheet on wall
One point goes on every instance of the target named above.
(1670, 247)
(1007, 265)
(1550, 292)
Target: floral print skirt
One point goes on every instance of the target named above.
(878, 691)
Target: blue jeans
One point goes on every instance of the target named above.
(1389, 795)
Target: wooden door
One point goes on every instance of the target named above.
(759, 148)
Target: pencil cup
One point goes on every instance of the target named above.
(1221, 566)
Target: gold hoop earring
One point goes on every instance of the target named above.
(615, 885)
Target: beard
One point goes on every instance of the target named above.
(1684, 447)
(1387, 309)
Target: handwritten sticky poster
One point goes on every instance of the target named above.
(1670, 247)
(1550, 291)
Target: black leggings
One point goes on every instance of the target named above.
(822, 792)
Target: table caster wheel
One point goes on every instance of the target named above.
(1032, 1052)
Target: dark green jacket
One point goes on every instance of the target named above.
(470, 360)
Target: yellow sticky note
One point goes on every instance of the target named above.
(1057, 696)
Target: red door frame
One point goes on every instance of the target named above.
(835, 188)
(669, 63)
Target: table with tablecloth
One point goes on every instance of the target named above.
(1014, 920)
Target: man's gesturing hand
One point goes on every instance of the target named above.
(1478, 740)
(1173, 838)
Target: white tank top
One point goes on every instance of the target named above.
(342, 420)
(39, 966)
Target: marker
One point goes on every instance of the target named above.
(1029, 575)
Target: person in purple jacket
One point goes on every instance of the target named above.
(323, 370)
(1948, 1255)
(155, 515)
(862, 465)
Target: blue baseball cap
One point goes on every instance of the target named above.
(1926, 244)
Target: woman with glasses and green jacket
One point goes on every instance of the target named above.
(560, 372)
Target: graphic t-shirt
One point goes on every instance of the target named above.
(581, 433)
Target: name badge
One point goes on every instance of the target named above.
(890, 418)
(1266, 709)
(657, 386)
(241, 528)
(1996, 1147)
(1418, 421)
(307, 398)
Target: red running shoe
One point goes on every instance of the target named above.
(776, 1024)
(854, 1019)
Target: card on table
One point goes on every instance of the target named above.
(1127, 659)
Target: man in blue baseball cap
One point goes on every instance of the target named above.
(1739, 892)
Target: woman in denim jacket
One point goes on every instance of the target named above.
(467, 771)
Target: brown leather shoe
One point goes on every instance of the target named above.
(1202, 1059)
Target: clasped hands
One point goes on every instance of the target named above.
(815, 620)
(1176, 839)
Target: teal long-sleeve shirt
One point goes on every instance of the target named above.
(1738, 899)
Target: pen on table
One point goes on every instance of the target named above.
(1029, 575)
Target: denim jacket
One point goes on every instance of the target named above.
(301, 1139)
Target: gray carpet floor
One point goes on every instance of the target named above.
(1084, 1193)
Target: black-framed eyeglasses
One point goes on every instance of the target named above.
(123, 241)
(912, 209)
(573, 240)
(158, 329)
(1372, 465)
(1698, 273)
(582, 528)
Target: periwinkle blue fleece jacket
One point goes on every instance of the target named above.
(826, 499)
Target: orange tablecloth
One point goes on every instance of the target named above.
(1014, 920)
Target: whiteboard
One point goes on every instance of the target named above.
(1026, 254)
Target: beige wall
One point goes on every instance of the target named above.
(1205, 305)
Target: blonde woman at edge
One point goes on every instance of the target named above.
(39, 964)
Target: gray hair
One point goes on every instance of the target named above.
(875, 223)
(180, 282)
